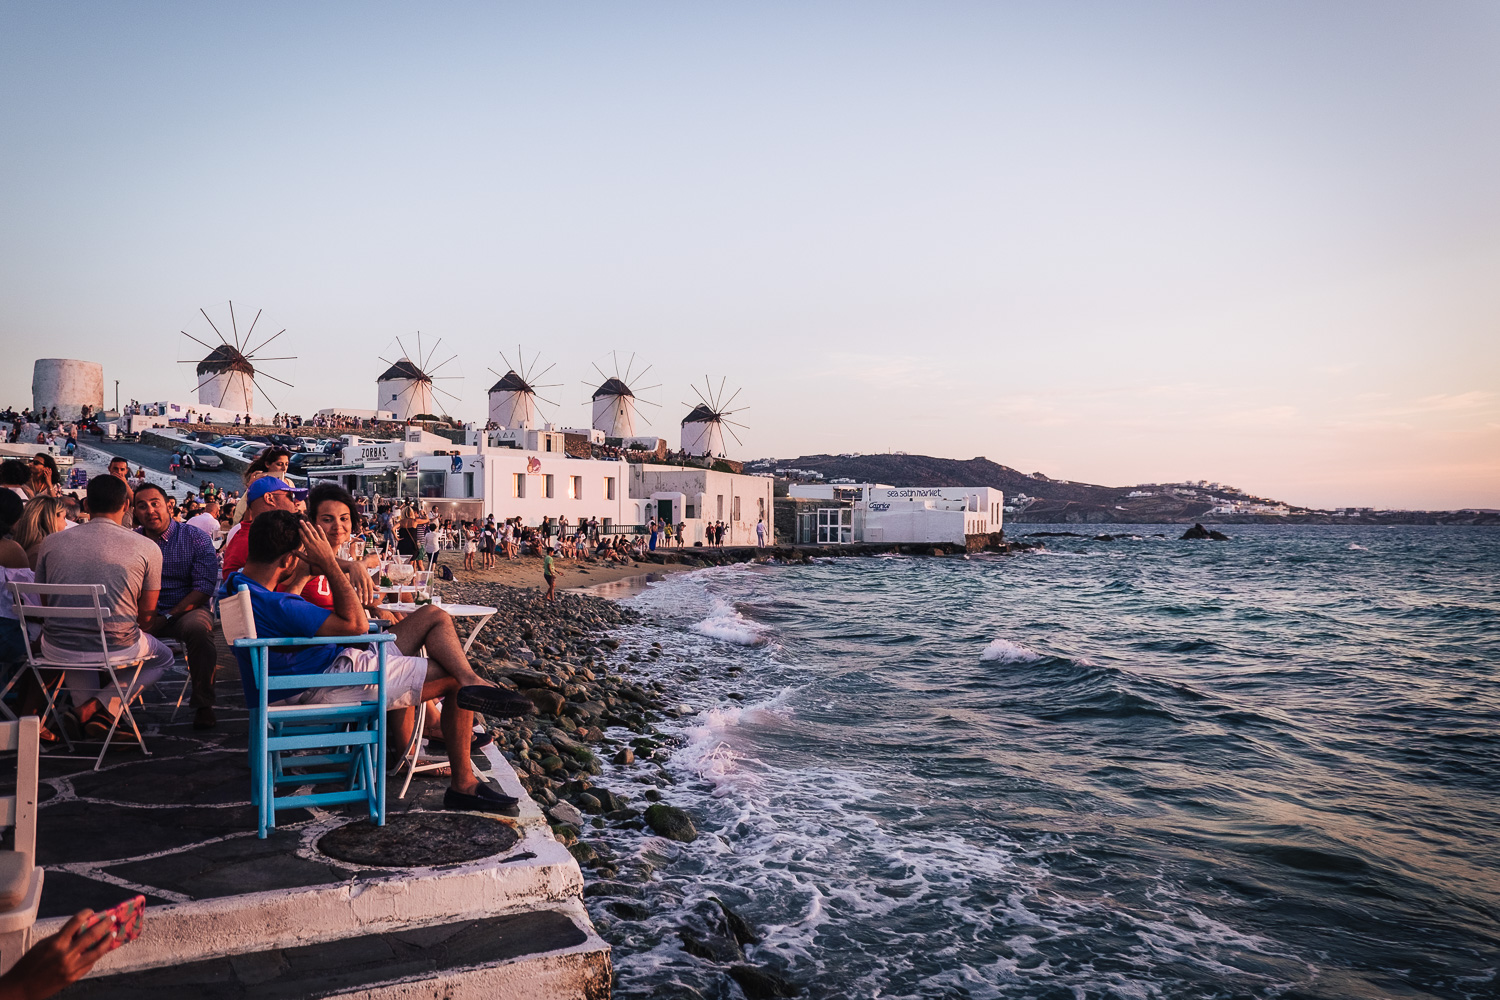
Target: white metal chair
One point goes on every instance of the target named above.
(20, 878)
(111, 663)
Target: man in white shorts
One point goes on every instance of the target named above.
(278, 541)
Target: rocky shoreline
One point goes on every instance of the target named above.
(561, 655)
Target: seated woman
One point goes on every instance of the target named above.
(333, 510)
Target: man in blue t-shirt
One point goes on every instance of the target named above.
(279, 541)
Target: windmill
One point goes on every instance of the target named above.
(513, 398)
(615, 401)
(407, 387)
(228, 376)
(704, 427)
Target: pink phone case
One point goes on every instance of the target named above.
(125, 920)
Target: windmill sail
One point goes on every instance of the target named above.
(228, 377)
(513, 399)
(707, 423)
(408, 388)
(616, 404)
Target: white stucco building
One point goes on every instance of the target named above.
(696, 497)
(526, 474)
(903, 515)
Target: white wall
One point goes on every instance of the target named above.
(67, 385)
(703, 489)
(615, 416)
(912, 522)
(497, 471)
(983, 505)
(230, 391)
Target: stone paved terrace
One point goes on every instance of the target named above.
(467, 904)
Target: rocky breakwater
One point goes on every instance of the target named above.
(590, 709)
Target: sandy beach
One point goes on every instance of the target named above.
(527, 572)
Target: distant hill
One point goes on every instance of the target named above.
(1060, 502)
(925, 470)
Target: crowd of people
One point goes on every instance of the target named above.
(305, 556)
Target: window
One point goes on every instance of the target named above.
(691, 512)
(547, 445)
(468, 484)
(518, 484)
(609, 487)
(720, 515)
(547, 487)
(736, 508)
(575, 487)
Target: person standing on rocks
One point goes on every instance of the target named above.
(760, 533)
(549, 574)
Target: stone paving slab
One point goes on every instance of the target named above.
(339, 966)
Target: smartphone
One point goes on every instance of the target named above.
(125, 919)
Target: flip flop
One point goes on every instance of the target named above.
(493, 700)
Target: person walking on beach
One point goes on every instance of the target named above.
(470, 546)
(549, 574)
(431, 544)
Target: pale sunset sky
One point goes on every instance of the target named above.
(1257, 243)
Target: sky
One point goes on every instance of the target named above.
(1111, 242)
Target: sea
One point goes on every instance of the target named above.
(1139, 768)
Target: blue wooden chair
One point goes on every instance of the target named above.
(351, 736)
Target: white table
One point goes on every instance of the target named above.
(479, 611)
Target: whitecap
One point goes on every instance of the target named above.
(729, 625)
(1005, 651)
(1355, 547)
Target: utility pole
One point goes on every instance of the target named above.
(117, 397)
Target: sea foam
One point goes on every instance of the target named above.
(728, 625)
(1005, 651)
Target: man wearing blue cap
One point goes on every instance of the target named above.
(266, 493)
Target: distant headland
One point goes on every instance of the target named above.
(1033, 498)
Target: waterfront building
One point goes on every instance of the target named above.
(869, 512)
(527, 473)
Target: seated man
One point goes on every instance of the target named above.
(129, 567)
(207, 521)
(189, 573)
(266, 493)
(278, 540)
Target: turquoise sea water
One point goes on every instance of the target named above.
(1141, 768)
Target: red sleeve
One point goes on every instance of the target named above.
(237, 551)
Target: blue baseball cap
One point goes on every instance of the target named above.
(270, 484)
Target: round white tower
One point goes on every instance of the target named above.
(406, 390)
(68, 385)
(614, 409)
(226, 379)
(513, 402)
(703, 433)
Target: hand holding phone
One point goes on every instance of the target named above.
(124, 920)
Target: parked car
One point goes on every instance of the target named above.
(199, 457)
(286, 441)
(251, 449)
(207, 437)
